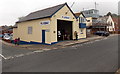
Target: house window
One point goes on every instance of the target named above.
(82, 20)
(91, 12)
(111, 23)
(29, 30)
(81, 31)
(88, 20)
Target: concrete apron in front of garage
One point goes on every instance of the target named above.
(59, 44)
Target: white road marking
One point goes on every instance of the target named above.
(38, 51)
(10, 57)
(88, 42)
(81, 45)
(46, 49)
(3, 56)
(97, 40)
(20, 55)
(73, 46)
(56, 48)
(29, 53)
(105, 38)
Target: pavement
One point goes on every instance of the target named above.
(94, 56)
(58, 45)
(9, 52)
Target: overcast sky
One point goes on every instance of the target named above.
(10, 10)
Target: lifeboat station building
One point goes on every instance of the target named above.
(49, 26)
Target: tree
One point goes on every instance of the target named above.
(114, 15)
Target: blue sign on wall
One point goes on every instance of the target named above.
(44, 22)
(66, 17)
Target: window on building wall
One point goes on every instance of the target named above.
(86, 12)
(111, 23)
(91, 12)
(88, 20)
(94, 20)
(82, 19)
(29, 30)
(81, 31)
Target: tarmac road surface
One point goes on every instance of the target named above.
(96, 56)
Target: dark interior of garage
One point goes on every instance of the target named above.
(64, 30)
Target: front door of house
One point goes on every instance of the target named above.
(43, 36)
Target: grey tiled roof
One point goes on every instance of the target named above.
(92, 15)
(78, 14)
(103, 19)
(48, 12)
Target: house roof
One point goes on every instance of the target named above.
(115, 20)
(45, 13)
(102, 19)
(87, 13)
(78, 14)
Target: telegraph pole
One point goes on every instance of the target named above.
(96, 5)
(83, 9)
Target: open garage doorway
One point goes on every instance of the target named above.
(64, 30)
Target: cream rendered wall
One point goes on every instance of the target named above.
(15, 33)
(84, 33)
(58, 15)
(90, 22)
(36, 36)
(83, 29)
(51, 36)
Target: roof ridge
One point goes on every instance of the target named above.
(44, 13)
(47, 8)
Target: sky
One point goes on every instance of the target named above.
(11, 10)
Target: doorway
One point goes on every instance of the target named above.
(64, 30)
(43, 36)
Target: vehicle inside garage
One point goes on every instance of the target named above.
(64, 30)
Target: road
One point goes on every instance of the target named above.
(95, 56)
(8, 51)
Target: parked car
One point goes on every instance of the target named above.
(1, 35)
(102, 33)
(7, 36)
